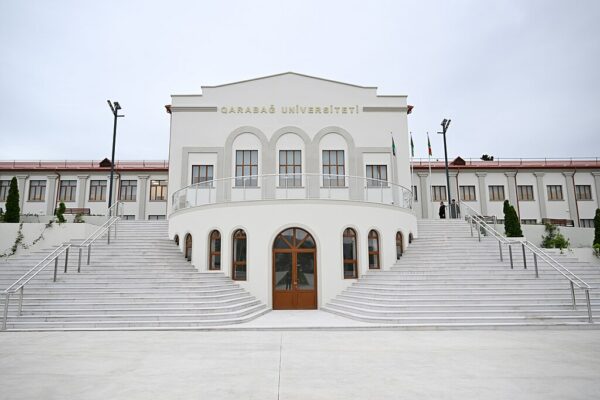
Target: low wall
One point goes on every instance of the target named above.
(578, 237)
(53, 236)
(90, 219)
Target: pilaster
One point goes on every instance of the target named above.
(482, 192)
(596, 175)
(143, 195)
(539, 178)
(81, 190)
(453, 185)
(512, 187)
(51, 194)
(426, 202)
(573, 213)
(21, 184)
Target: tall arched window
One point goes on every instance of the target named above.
(188, 247)
(176, 240)
(399, 245)
(239, 256)
(373, 250)
(214, 257)
(350, 257)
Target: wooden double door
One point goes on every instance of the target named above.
(294, 270)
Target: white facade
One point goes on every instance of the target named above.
(337, 136)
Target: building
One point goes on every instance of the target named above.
(294, 186)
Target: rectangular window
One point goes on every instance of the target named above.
(583, 192)
(37, 190)
(158, 190)
(377, 176)
(246, 168)
(128, 217)
(67, 190)
(415, 197)
(529, 221)
(203, 174)
(156, 217)
(334, 168)
(128, 190)
(439, 193)
(496, 192)
(4, 186)
(467, 193)
(555, 192)
(97, 190)
(586, 223)
(290, 168)
(525, 193)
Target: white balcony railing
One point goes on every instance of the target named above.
(292, 187)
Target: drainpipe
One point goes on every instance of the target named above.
(575, 222)
(57, 188)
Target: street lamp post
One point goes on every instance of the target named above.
(114, 107)
(445, 124)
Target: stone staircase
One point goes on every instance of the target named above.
(139, 281)
(446, 279)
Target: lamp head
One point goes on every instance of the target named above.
(117, 105)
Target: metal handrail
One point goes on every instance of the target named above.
(573, 279)
(117, 209)
(287, 186)
(19, 286)
(53, 256)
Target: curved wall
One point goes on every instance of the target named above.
(263, 220)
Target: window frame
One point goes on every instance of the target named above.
(583, 193)
(399, 243)
(415, 194)
(525, 189)
(4, 189)
(239, 234)
(337, 179)
(285, 175)
(376, 175)
(241, 178)
(205, 179)
(40, 187)
(350, 233)
(132, 193)
(436, 190)
(211, 253)
(154, 189)
(467, 193)
(67, 187)
(553, 193)
(95, 185)
(374, 235)
(494, 192)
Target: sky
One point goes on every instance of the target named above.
(517, 78)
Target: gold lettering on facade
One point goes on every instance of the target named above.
(291, 109)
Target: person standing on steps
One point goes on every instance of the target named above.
(442, 212)
(454, 209)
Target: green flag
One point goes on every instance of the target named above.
(412, 147)
(393, 147)
(428, 144)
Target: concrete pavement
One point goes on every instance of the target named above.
(301, 365)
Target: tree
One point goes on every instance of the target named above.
(486, 157)
(512, 225)
(505, 210)
(60, 213)
(597, 227)
(13, 211)
(554, 239)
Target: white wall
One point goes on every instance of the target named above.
(52, 236)
(264, 220)
(578, 237)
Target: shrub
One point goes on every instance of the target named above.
(60, 213)
(78, 218)
(597, 227)
(554, 239)
(13, 211)
(512, 225)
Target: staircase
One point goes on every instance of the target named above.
(446, 279)
(139, 281)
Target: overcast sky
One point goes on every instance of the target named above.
(518, 78)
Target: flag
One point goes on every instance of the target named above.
(393, 147)
(428, 144)
(412, 147)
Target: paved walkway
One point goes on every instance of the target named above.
(301, 365)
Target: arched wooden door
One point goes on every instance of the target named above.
(294, 270)
(188, 247)
(399, 245)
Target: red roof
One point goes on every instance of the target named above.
(510, 163)
(90, 165)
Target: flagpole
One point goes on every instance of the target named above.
(411, 170)
(429, 162)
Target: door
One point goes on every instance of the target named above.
(188, 247)
(294, 271)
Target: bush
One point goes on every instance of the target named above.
(60, 213)
(554, 239)
(13, 211)
(597, 250)
(78, 218)
(597, 227)
(512, 225)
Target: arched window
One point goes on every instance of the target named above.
(399, 245)
(176, 240)
(188, 247)
(350, 257)
(373, 250)
(239, 256)
(214, 257)
(410, 238)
